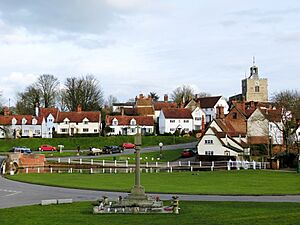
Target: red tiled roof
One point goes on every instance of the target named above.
(145, 111)
(125, 120)
(178, 113)
(79, 116)
(164, 105)
(45, 112)
(228, 128)
(208, 102)
(7, 120)
(273, 115)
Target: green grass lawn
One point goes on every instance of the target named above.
(167, 156)
(191, 213)
(244, 182)
(85, 142)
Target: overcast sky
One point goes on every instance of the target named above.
(138, 46)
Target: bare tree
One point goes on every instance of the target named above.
(27, 100)
(84, 91)
(182, 94)
(203, 94)
(48, 87)
(111, 100)
(289, 102)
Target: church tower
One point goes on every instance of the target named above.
(255, 88)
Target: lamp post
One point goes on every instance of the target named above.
(160, 149)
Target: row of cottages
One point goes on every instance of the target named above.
(192, 116)
(246, 124)
(48, 121)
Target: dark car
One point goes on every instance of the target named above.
(21, 149)
(112, 149)
(188, 153)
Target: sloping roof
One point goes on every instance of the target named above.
(178, 113)
(273, 115)
(144, 111)
(130, 111)
(208, 102)
(125, 120)
(79, 116)
(164, 105)
(229, 129)
(7, 120)
(45, 112)
(222, 135)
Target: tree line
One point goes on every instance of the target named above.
(46, 92)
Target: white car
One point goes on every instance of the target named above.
(95, 151)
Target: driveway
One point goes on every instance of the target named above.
(13, 193)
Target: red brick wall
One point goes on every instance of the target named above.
(32, 160)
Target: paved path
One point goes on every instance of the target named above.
(13, 193)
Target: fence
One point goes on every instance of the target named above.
(106, 166)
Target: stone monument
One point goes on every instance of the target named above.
(137, 201)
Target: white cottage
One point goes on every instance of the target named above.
(80, 122)
(214, 143)
(171, 120)
(209, 106)
(13, 126)
(265, 124)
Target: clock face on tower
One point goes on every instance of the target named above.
(257, 83)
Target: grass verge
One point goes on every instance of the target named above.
(167, 156)
(191, 213)
(244, 182)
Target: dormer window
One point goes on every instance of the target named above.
(34, 121)
(24, 121)
(14, 121)
(115, 122)
(66, 121)
(85, 121)
(133, 122)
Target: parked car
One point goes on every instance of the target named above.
(21, 149)
(112, 149)
(47, 148)
(128, 145)
(95, 151)
(188, 153)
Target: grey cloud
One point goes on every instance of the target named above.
(89, 16)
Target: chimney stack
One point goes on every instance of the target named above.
(6, 111)
(166, 98)
(220, 112)
(37, 109)
(79, 108)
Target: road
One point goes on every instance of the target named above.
(13, 193)
(131, 151)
